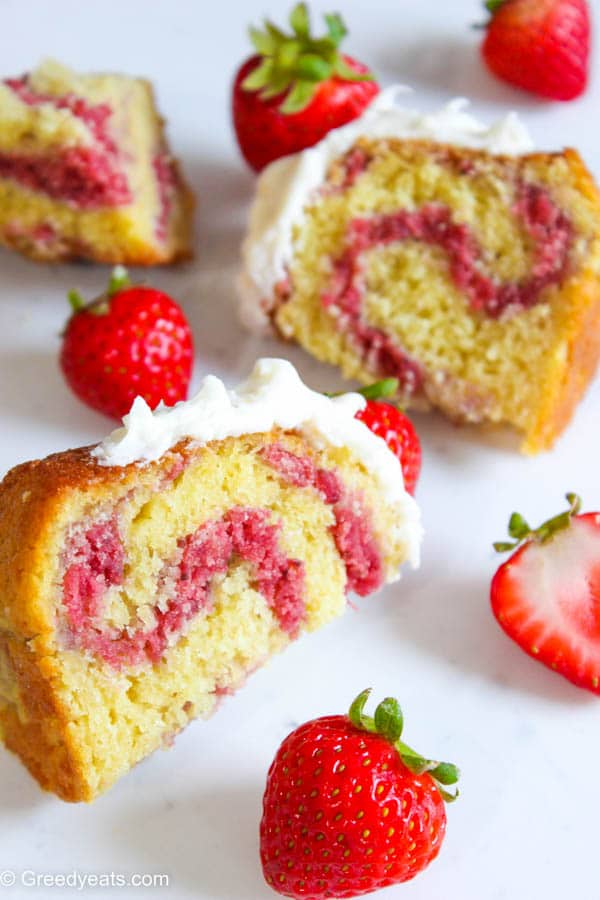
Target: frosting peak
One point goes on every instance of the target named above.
(272, 396)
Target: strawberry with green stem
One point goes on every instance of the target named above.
(546, 596)
(390, 423)
(350, 808)
(296, 88)
(542, 46)
(131, 341)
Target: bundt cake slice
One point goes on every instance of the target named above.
(439, 251)
(86, 172)
(143, 579)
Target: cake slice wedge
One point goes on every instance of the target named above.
(86, 171)
(440, 251)
(143, 579)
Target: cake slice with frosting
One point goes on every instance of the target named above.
(86, 171)
(441, 251)
(145, 578)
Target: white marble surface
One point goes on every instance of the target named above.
(526, 739)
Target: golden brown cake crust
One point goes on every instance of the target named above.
(571, 376)
(30, 496)
(38, 732)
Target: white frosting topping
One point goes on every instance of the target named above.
(286, 186)
(273, 396)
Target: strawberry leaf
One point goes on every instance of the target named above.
(447, 796)
(446, 773)
(336, 28)
(346, 73)
(278, 84)
(276, 33)
(417, 764)
(517, 526)
(299, 20)
(355, 713)
(504, 546)
(387, 387)
(389, 720)
(288, 55)
(262, 41)
(519, 529)
(259, 77)
(493, 6)
(119, 279)
(311, 67)
(76, 301)
(388, 723)
(298, 98)
(296, 62)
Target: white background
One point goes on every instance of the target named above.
(526, 740)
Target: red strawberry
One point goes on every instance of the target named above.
(394, 427)
(349, 808)
(296, 89)
(542, 46)
(547, 595)
(133, 340)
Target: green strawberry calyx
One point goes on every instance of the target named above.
(385, 390)
(522, 532)
(380, 390)
(493, 6)
(294, 64)
(388, 722)
(119, 280)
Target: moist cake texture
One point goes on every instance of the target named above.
(135, 596)
(86, 171)
(471, 276)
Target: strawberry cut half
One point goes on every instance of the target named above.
(546, 597)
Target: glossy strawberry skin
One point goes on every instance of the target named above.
(541, 46)
(399, 434)
(136, 342)
(546, 597)
(343, 816)
(264, 133)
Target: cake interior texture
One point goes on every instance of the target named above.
(136, 598)
(473, 278)
(86, 171)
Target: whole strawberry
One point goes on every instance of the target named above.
(296, 89)
(394, 427)
(542, 46)
(349, 808)
(132, 341)
(546, 596)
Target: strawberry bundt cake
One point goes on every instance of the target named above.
(440, 251)
(143, 579)
(85, 170)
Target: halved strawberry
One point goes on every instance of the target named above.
(546, 596)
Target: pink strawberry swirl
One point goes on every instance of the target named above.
(95, 562)
(86, 177)
(547, 227)
(352, 530)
